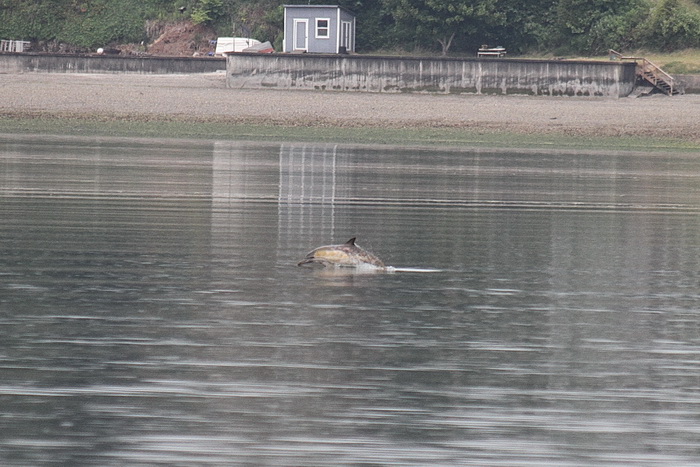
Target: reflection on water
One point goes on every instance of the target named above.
(151, 312)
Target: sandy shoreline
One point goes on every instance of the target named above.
(206, 98)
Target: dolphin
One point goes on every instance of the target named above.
(347, 254)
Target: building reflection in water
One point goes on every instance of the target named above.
(301, 194)
(308, 189)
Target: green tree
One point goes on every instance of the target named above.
(207, 11)
(81, 24)
(103, 22)
(622, 31)
(591, 26)
(444, 20)
(673, 26)
(31, 20)
(563, 26)
(527, 25)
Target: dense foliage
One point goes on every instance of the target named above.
(442, 26)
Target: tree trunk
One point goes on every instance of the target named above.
(446, 43)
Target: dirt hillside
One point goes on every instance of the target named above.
(175, 39)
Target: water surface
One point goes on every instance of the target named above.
(151, 312)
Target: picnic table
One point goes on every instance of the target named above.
(486, 51)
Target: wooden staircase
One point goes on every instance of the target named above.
(650, 72)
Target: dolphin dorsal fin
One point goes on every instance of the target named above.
(351, 242)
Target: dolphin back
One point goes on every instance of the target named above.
(347, 254)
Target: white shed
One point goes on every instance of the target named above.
(318, 29)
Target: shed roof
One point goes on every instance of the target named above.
(320, 6)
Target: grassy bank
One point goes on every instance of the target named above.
(226, 130)
(685, 62)
(679, 62)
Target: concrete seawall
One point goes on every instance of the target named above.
(689, 84)
(58, 63)
(362, 73)
(440, 75)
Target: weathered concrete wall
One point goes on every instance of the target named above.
(689, 84)
(28, 62)
(441, 75)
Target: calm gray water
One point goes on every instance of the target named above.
(151, 312)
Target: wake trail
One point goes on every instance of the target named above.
(415, 270)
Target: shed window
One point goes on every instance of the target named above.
(322, 28)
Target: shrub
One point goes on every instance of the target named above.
(619, 32)
(673, 26)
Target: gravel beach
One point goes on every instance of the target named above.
(204, 97)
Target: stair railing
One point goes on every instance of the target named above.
(648, 70)
(658, 74)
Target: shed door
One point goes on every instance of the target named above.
(301, 34)
(346, 35)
